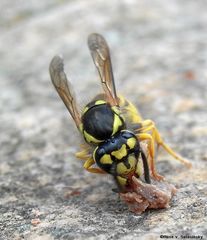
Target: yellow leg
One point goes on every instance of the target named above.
(86, 156)
(131, 113)
(149, 125)
(151, 150)
(83, 155)
(87, 165)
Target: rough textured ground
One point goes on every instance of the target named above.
(159, 52)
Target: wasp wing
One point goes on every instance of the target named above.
(63, 87)
(102, 60)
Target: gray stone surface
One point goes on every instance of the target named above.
(159, 52)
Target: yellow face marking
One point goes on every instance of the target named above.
(89, 138)
(117, 123)
(106, 159)
(123, 170)
(122, 181)
(132, 161)
(119, 154)
(139, 169)
(131, 142)
(99, 102)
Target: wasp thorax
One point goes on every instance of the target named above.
(100, 121)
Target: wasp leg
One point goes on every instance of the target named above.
(149, 125)
(86, 156)
(83, 154)
(150, 148)
(87, 165)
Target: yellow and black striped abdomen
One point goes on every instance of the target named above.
(129, 111)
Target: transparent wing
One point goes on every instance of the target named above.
(59, 80)
(101, 57)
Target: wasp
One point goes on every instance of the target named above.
(112, 127)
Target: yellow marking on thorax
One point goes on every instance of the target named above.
(90, 138)
(81, 128)
(117, 123)
(85, 110)
(106, 159)
(131, 142)
(99, 102)
(116, 110)
(119, 154)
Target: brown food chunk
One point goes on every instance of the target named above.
(148, 196)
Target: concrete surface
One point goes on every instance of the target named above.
(159, 53)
